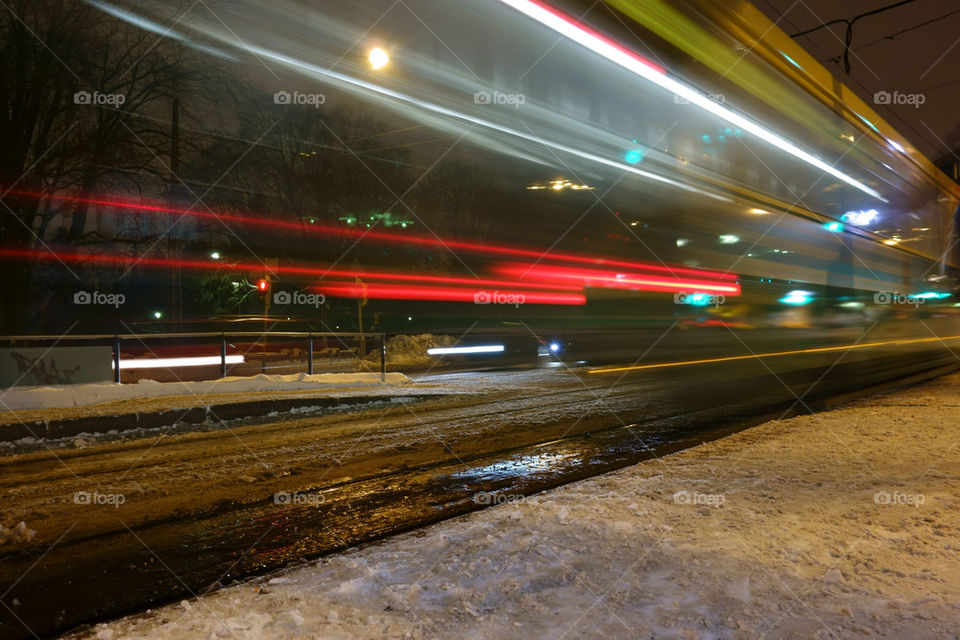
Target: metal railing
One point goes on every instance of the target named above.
(307, 336)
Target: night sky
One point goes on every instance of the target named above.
(911, 48)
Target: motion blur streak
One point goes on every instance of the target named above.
(169, 363)
(475, 282)
(320, 74)
(586, 278)
(449, 351)
(447, 294)
(327, 75)
(557, 279)
(206, 265)
(615, 280)
(566, 26)
(153, 27)
(405, 239)
(846, 347)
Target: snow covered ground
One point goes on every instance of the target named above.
(409, 352)
(837, 525)
(24, 398)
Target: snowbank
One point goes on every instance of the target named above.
(409, 351)
(23, 398)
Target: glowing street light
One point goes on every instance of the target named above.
(378, 58)
(215, 255)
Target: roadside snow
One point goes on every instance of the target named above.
(837, 525)
(24, 398)
(18, 534)
(409, 352)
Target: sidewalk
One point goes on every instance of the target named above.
(837, 525)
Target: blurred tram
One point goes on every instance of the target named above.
(614, 184)
(650, 155)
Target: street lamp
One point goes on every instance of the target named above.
(215, 255)
(378, 58)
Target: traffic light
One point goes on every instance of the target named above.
(263, 286)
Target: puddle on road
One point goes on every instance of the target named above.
(547, 463)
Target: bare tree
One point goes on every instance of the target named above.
(81, 94)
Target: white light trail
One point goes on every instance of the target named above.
(649, 72)
(169, 363)
(428, 106)
(446, 351)
(325, 74)
(154, 27)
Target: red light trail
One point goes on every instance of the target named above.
(447, 294)
(534, 293)
(405, 239)
(613, 279)
(542, 283)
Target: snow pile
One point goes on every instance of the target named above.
(835, 525)
(23, 398)
(19, 534)
(408, 351)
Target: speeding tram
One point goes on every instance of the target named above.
(570, 182)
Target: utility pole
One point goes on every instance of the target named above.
(266, 307)
(270, 266)
(361, 303)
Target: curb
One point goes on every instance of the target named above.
(170, 417)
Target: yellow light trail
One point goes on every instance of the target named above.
(848, 347)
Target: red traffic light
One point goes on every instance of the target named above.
(263, 285)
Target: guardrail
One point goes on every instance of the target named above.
(116, 339)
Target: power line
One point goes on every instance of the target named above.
(863, 88)
(850, 21)
(937, 86)
(835, 60)
(902, 31)
(848, 36)
(793, 26)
